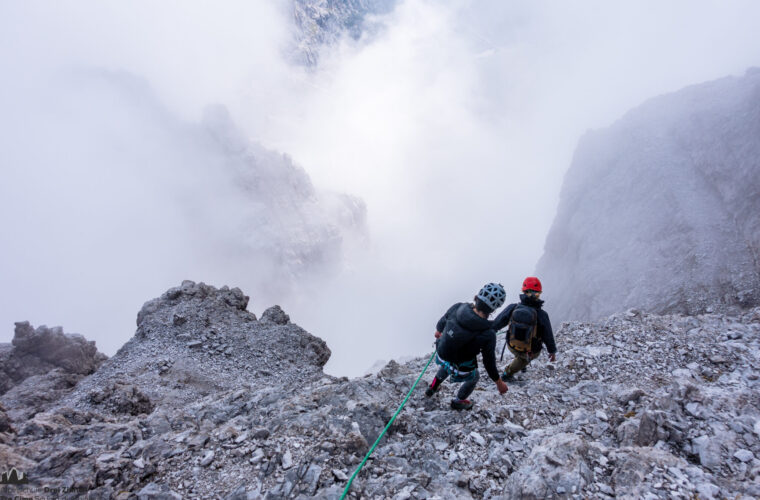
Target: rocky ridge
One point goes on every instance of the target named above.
(208, 401)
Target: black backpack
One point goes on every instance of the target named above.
(522, 328)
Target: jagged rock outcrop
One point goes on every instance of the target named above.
(72, 351)
(197, 340)
(323, 22)
(661, 211)
(275, 315)
(40, 366)
(637, 406)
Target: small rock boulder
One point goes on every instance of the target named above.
(275, 315)
(122, 398)
(153, 491)
(559, 463)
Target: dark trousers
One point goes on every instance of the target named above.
(522, 359)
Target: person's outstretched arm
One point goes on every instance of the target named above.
(489, 361)
(503, 318)
(547, 335)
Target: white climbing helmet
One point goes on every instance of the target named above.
(492, 295)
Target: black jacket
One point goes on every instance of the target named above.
(464, 335)
(544, 333)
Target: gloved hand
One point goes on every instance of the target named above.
(552, 357)
(501, 386)
(437, 334)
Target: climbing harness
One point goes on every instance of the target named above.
(454, 371)
(345, 491)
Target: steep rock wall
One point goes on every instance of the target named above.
(661, 211)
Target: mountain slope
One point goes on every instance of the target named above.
(661, 211)
(207, 401)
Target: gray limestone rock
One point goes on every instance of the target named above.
(638, 471)
(650, 429)
(630, 395)
(39, 392)
(120, 397)
(275, 315)
(207, 458)
(661, 211)
(72, 352)
(709, 452)
(561, 461)
(153, 491)
(266, 422)
(5, 423)
(37, 352)
(39, 368)
(744, 455)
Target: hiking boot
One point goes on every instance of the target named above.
(433, 387)
(506, 377)
(461, 404)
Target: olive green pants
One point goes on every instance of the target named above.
(522, 359)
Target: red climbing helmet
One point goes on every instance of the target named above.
(531, 283)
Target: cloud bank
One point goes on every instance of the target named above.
(455, 122)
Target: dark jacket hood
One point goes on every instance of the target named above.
(469, 319)
(530, 301)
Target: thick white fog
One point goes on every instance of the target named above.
(455, 122)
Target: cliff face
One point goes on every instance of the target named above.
(207, 400)
(323, 22)
(661, 211)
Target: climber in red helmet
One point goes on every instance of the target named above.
(528, 328)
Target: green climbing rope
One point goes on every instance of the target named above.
(401, 407)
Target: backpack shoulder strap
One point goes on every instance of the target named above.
(534, 330)
(506, 336)
(535, 326)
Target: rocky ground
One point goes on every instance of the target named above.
(208, 401)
